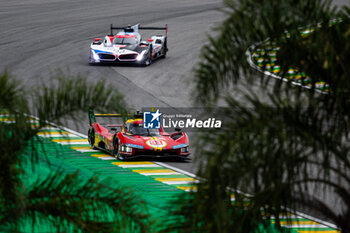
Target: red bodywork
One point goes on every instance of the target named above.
(111, 137)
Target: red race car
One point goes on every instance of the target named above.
(131, 139)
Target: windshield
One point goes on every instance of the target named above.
(137, 129)
(125, 40)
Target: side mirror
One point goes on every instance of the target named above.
(97, 39)
(177, 129)
(150, 40)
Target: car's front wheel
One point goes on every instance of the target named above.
(116, 150)
(148, 59)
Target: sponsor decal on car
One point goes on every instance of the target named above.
(156, 143)
(179, 146)
(135, 146)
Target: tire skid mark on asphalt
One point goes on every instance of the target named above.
(161, 174)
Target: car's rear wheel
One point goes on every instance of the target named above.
(91, 138)
(165, 49)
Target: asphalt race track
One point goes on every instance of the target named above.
(41, 36)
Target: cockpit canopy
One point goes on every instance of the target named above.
(123, 38)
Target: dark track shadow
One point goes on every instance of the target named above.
(118, 64)
(139, 158)
(162, 159)
(115, 64)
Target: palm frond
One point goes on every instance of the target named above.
(69, 202)
(60, 201)
(67, 95)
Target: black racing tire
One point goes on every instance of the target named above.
(115, 143)
(165, 49)
(91, 138)
(91, 63)
(148, 60)
(116, 152)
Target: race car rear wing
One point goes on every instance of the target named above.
(138, 27)
(92, 115)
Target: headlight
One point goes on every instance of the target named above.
(184, 149)
(140, 56)
(95, 56)
(126, 149)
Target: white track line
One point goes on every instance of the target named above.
(85, 150)
(107, 158)
(304, 226)
(141, 165)
(180, 182)
(177, 169)
(58, 135)
(74, 143)
(160, 173)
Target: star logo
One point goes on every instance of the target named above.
(151, 120)
(156, 115)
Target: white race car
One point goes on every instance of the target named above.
(127, 46)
